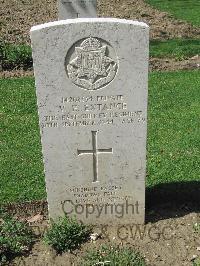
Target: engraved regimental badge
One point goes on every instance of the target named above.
(91, 64)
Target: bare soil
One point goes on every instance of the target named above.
(16, 73)
(168, 237)
(171, 64)
(171, 242)
(155, 64)
(17, 17)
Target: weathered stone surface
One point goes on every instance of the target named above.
(92, 83)
(68, 9)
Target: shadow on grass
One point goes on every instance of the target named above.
(172, 200)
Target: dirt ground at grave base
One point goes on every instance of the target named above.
(156, 64)
(17, 17)
(168, 237)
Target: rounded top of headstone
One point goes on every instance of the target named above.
(89, 20)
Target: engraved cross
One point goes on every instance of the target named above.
(95, 152)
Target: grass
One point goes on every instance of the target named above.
(178, 49)
(173, 134)
(15, 238)
(19, 56)
(196, 262)
(15, 56)
(113, 256)
(173, 131)
(197, 228)
(182, 9)
(67, 234)
(21, 171)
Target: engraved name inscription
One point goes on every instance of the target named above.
(92, 110)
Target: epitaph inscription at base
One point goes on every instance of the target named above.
(91, 80)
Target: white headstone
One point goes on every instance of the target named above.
(92, 83)
(68, 9)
